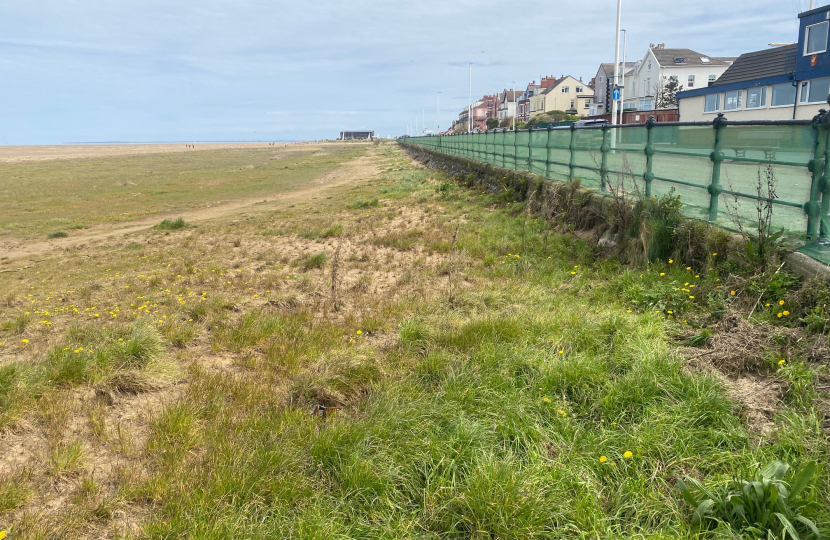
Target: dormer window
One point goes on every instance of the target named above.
(704, 60)
(679, 60)
(815, 38)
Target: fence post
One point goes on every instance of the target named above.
(824, 189)
(529, 160)
(503, 149)
(547, 153)
(604, 148)
(817, 167)
(648, 176)
(572, 160)
(716, 156)
(515, 149)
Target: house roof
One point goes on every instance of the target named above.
(667, 58)
(511, 95)
(608, 68)
(760, 64)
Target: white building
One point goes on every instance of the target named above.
(660, 65)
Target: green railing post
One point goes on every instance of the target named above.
(515, 148)
(572, 160)
(548, 172)
(648, 176)
(824, 189)
(604, 148)
(503, 149)
(817, 167)
(717, 157)
(529, 160)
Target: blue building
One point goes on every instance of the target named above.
(787, 82)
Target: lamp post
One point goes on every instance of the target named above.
(470, 103)
(616, 62)
(515, 105)
(622, 87)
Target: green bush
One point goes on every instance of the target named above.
(360, 203)
(57, 234)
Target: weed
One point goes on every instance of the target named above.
(57, 234)
(369, 203)
(66, 458)
(311, 262)
(172, 224)
(762, 506)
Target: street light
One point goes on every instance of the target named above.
(515, 105)
(616, 62)
(470, 103)
(622, 86)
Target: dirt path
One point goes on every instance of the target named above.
(362, 168)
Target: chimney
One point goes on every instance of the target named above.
(651, 45)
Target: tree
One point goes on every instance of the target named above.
(492, 123)
(665, 93)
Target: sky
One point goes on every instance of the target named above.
(253, 70)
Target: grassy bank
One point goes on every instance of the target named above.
(483, 374)
(42, 197)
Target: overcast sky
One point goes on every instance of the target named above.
(236, 70)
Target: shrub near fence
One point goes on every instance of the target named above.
(716, 167)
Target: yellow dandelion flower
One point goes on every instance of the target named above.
(603, 459)
(786, 312)
(359, 332)
(546, 399)
(671, 261)
(573, 273)
(688, 268)
(627, 454)
(780, 302)
(691, 297)
(782, 362)
(780, 315)
(714, 254)
(662, 274)
(629, 311)
(25, 341)
(561, 351)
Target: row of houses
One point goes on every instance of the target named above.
(781, 82)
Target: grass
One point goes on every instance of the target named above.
(543, 396)
(90, 191)
(57, 234)
(171, 224)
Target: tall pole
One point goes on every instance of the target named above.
(515, 105)
(622, 87)
(438, 113)
(616, 62)
(470, 103)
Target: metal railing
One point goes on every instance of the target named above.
(719, 168)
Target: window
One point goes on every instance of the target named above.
(704, 59)
(815, 38)
(566, 89)
(572, 104)
(783, 94)
(712, 79)
(732, 100)
(649, 65)
(578, 89)
(712, 103)
(601, 79)
(756, 98)
(587, 103)
(691, 81)
(815, 91)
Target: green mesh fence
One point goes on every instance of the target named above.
(721, 170)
